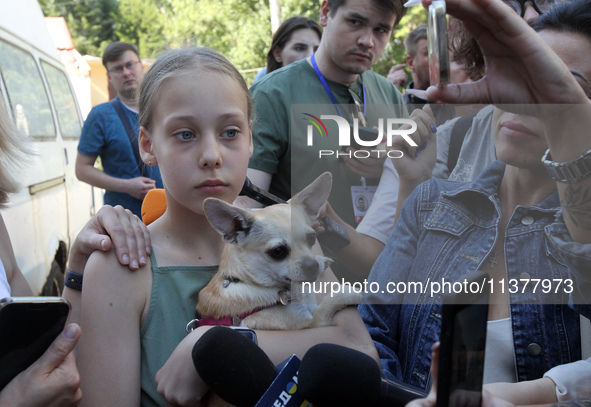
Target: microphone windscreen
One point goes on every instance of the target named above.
(233, 366)
(333, 375)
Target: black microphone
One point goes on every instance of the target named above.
(239, 372)
(333, 375)
(335, 236)
(260, 195)
(233, 366)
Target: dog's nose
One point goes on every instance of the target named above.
(310, 265)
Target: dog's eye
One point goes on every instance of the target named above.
(278, 253)
(311, 239)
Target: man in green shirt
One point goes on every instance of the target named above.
(289, 150)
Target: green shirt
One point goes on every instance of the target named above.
(175, 291)
(282, 101)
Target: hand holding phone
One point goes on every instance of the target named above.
(28, 326)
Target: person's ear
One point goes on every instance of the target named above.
(324, 10)
(277, 55)
(146, 148)
(410, 62)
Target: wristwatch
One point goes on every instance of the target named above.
(571, 171)
(73, 280)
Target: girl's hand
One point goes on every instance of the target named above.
(178, 381)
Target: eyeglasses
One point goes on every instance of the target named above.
(541, 6)
(118, 70)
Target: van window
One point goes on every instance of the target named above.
(64, 101)
(26, 93)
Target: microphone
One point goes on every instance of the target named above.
(333, 375)
(233, 366)
(335, 236)
(240, 373)
(260, 195)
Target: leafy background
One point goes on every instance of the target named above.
(239, 29)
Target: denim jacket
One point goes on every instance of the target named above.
(446, 229)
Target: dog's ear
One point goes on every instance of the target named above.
(231, 222)
(314, 196)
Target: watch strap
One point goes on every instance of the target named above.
(73, 280)
(570, 171)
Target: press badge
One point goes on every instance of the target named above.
(362, 196)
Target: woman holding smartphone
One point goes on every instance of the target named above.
(520, 220)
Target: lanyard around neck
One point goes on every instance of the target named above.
(329, 92)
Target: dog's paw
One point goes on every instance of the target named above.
(348, 298)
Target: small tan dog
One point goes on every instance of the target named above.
(269, 256)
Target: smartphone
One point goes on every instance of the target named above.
(365, 134)
(439, 66)
(463, 341)
(28, 325)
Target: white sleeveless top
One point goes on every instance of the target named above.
(4, 286)
(499, 358)
(571, 379)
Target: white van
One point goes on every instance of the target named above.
(45, 216)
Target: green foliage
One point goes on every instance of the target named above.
(304, 8)
(239, 29)
(236, 28)
(140, 22)
(91, 22)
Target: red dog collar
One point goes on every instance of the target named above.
(225, 321)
